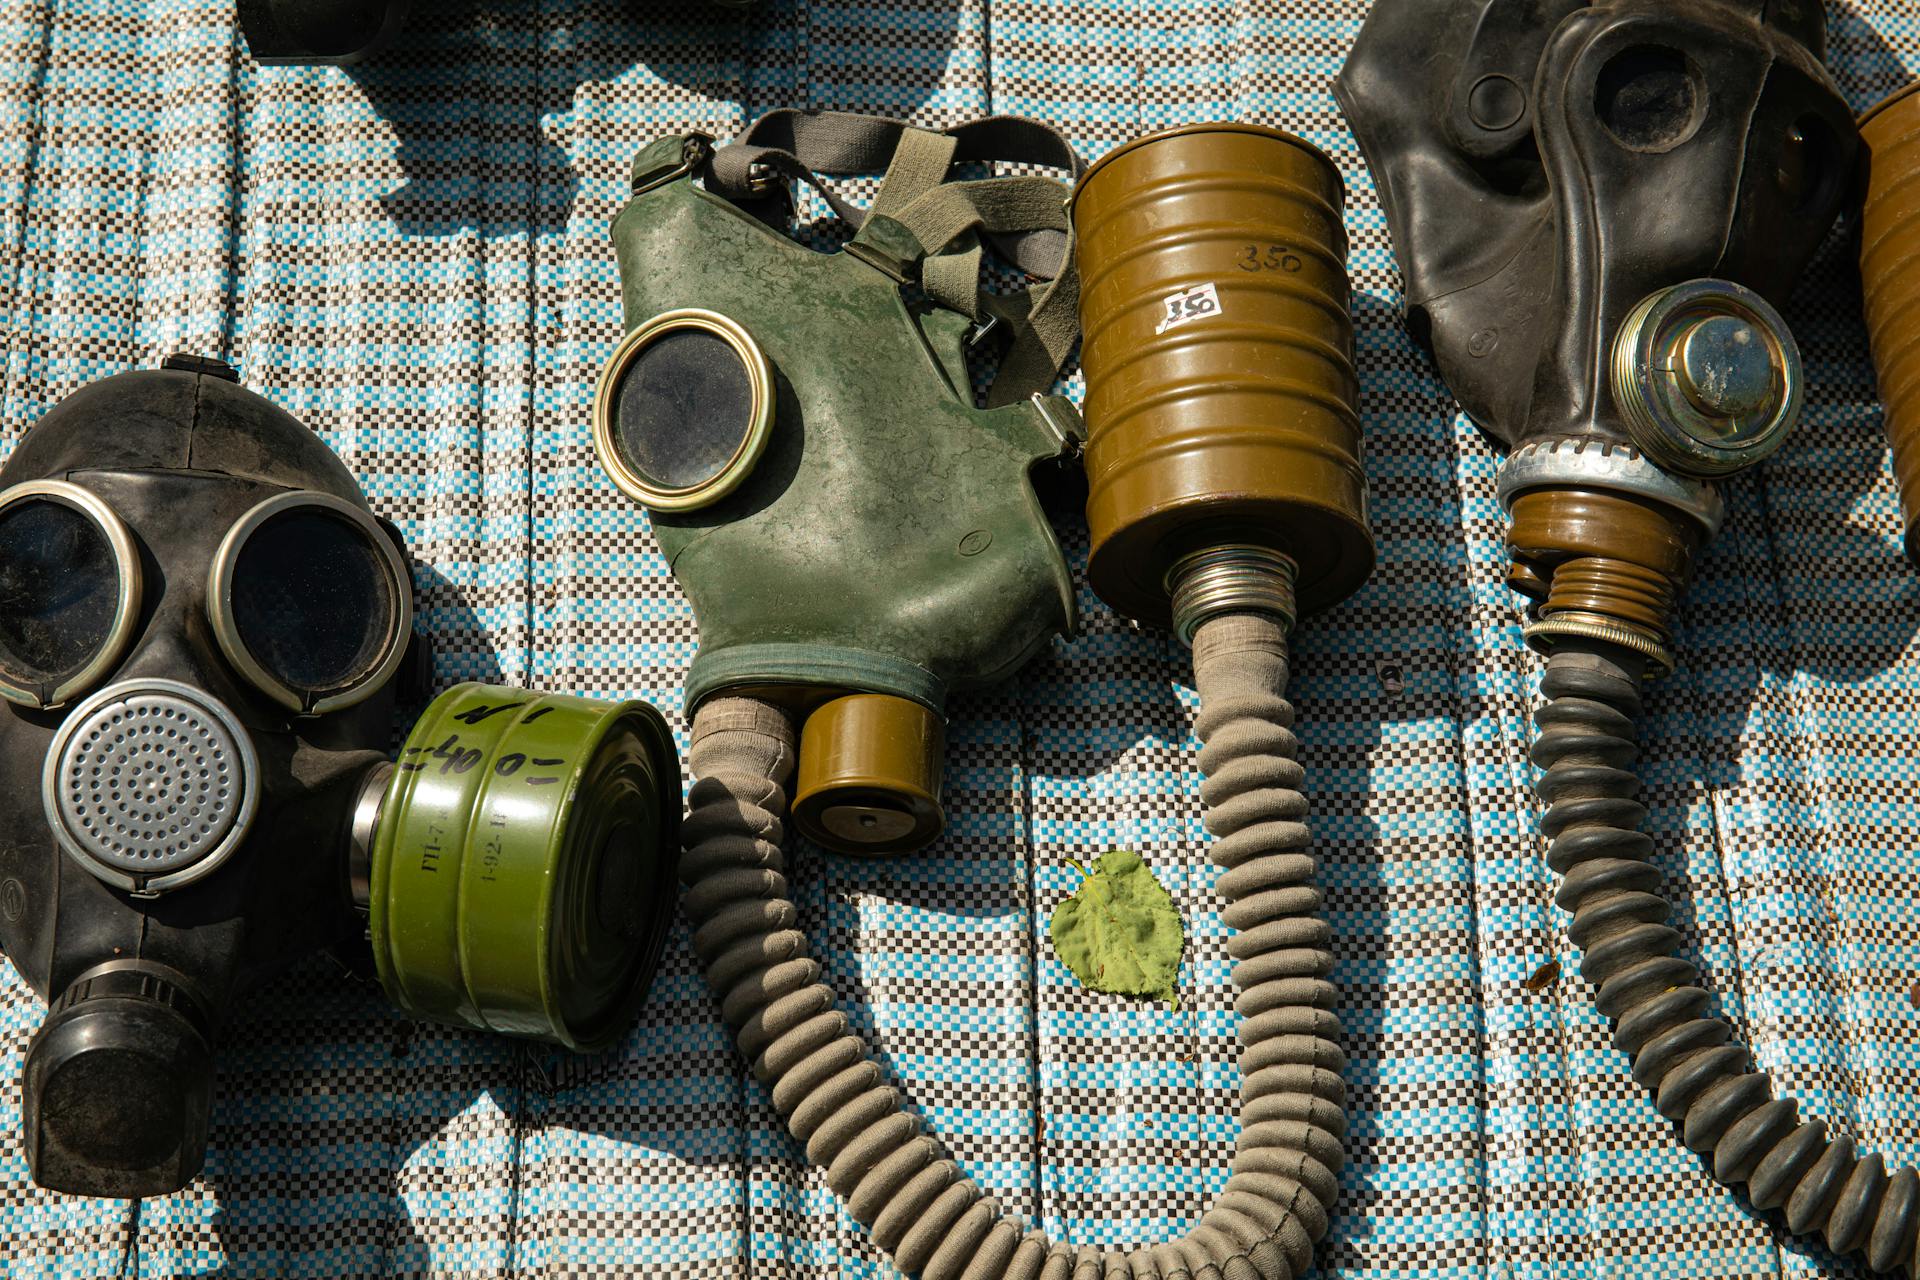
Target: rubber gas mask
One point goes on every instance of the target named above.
(202, 628)
(339, 32)
(857, 539)
(1596, 210)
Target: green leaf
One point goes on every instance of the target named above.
(1121, 932)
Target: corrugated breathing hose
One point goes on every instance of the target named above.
(914, 1201)
(1702, 1075)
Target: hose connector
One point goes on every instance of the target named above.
(1236, 578)
(1602, 541)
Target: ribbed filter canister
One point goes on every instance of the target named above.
(521, 866)
(1890, 282)
(1218, 352)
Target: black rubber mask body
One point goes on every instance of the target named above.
(118, 1080)
(1546, 166)
(322, 32)
(318, 31)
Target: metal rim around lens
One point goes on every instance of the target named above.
(752, 443)
(126, 613)
(1650, 392)
(227, 632)
(93, 847)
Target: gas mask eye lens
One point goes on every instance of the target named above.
(310, 601)
(69, 591)
(299, 577)
(682, 407)
(1648, 98)
(683, 410)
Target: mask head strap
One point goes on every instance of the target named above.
(923, 226)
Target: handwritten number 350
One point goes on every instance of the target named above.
(1277, 257)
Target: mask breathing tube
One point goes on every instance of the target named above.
(1643, 392)
(1225, 494)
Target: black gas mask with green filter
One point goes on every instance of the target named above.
(1596, 210)
(202, 629)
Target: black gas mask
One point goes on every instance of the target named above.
(338, 32)
(1548, 167)
(202, 627)
(303, 32)
(1595, 210)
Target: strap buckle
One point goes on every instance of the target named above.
(1062, 421)
(880, 260)
(694, 152)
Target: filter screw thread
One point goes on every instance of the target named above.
(1600, 598)
(1235, 578)
(1599, 564)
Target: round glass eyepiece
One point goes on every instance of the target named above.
(311, 601)
(69, 591)
(683, 410)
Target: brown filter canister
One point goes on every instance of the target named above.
(868, 779)
(1890, 282)
(1218, 353)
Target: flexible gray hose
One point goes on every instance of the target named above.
(1700, 1073)
(914, 1201)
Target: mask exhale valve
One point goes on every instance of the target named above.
(150, 785)
(1212, 549)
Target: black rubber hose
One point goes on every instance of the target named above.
(1703, 1077)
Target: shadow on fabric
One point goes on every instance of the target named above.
(473, 90)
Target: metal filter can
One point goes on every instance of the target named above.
(1218, 352)
(523, 868)
(1890, 283)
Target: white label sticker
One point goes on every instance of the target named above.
(1197, 303)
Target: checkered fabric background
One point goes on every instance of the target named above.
(413, 257)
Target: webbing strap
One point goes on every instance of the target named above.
(920, 220)
(918, 169)
(949, 220)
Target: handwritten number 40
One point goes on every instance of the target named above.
(453, 759)
(1275, 257)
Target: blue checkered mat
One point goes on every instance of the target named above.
(413, 257)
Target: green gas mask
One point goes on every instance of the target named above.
(856, 538)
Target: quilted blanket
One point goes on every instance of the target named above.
(412, 256)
